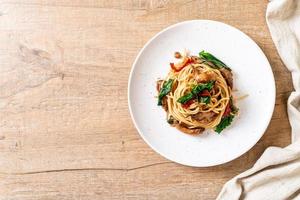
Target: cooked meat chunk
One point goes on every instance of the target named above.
(228, 76)
(158, 85)
(203, 77)
(165, 104)
(172, 121)
(193, 131)
(210, 64)
(205, 117)
(196, 60)
(177, 55)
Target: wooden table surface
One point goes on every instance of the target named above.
(65, 129)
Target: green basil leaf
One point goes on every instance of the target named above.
(166, 88)
(185, 98)
(199, 88)
(211, 58)
(225, 122)
(195, 91)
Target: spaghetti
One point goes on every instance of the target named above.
(197, 94)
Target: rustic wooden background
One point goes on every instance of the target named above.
(65, 129)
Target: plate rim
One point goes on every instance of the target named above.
(134, 65)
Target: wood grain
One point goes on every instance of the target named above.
(65, 130)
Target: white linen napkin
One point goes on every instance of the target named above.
(276, 174)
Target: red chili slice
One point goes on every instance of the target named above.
(186, 62)
(188, 103)
(205, 93)
(173, 67)
(180, 66)
(227, 111)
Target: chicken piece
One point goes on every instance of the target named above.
(165, 104)
(172, 121)
(196, 60)
(159, 85)
(203, 77)
(205, 117)
(192, 131)
(177, 55)
(227, 74)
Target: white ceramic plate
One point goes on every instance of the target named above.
(252, 76)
